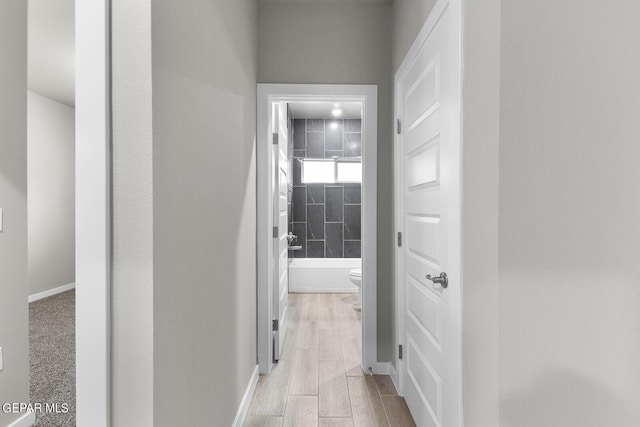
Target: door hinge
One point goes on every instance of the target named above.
(275, 231)
(275, 325)
(399, 126)
(275, 139)
(400, 351)
(399, 239)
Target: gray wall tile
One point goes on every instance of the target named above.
(315, 145)
(352, 220)
(334, 241)
(315, 194)
(299, 134)
(315, 222)
(333, 153)
(333, 135)
(334, 202)
(315, 125)
(299, 204)
(315, 249)
(352, 125)
(352, 248)
(353, 144)
(297, 172)
(353, 194)
(326, 214)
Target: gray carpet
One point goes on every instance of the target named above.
(52, 358)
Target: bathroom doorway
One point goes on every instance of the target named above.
(317, 220)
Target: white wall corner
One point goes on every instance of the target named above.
(243, 409)
(26, 420)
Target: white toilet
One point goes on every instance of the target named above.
(355, 276)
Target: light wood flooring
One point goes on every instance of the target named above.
(319, 380)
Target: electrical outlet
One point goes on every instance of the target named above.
(1, 364)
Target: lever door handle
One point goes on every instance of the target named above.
(441, 280)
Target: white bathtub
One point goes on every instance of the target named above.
(315, 275)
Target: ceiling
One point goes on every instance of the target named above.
(323, 110)
(52, 49)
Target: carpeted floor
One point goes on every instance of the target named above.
(52, 359)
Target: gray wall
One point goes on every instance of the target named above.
(341, 44)
(570, 213)
(408, 18)
(51, 189)
(132, 276)
(204, 208)
(480, 166)
(184, 210)
(14, 322)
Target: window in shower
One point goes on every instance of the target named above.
(331, 171)
(318, 171)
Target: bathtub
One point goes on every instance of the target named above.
(315, 275)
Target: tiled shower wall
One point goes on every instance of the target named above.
(326, 217)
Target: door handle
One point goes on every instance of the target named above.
(441, 280)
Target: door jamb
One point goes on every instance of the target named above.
(367, 94)
(93, 213)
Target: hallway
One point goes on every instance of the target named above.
(318, 380)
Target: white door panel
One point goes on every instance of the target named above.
(422, 96)
(424, 131)
(281, 263)
(423, 166)
(429, 373)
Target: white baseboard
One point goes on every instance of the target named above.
(50, 292)
(394, 377)
(297, 289)
(26, 420)
(379, 368)
(246, 399)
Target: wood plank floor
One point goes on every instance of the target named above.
(319, 380)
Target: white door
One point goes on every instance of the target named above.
(280, 248)
(428, 218)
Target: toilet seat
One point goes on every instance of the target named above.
(356, 272)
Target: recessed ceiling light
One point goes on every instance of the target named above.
(336, 112)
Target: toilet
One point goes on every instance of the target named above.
(355, 276)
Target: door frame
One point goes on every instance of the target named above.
(368, 95)
(455, 133)
(93, 212)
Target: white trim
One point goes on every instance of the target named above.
(243, 409)
(455, 126)
(368, 95)
(394, 378)
(93, 213)
(51, 292)
(28, 419)
(312, 290)
(398, 204)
